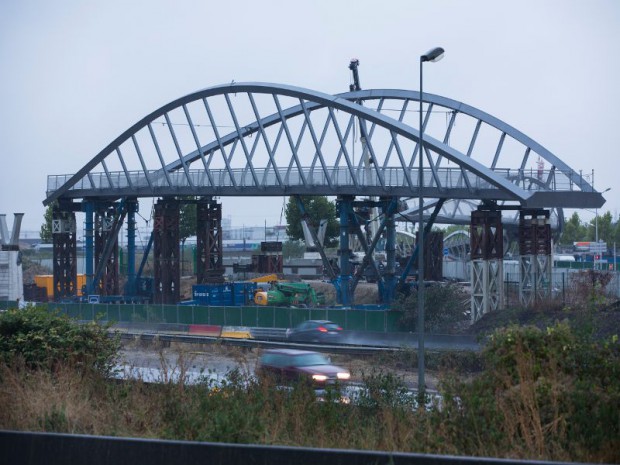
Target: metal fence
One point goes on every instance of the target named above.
(569, 285)
(380, 320)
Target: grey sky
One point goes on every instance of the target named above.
(76, 74)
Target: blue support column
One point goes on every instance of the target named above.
(345, 206)
(89, 251)
(389, 289)
(132, 208)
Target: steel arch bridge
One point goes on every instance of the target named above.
(262, 139)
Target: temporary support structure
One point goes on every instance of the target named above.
(11, 276)
(209, 252)
(104, 231)
(487, 252)
(64, 253)
(535, 256)
(166, 250)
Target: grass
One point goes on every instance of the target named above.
(543, 393)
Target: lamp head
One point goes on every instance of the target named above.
(435, 54)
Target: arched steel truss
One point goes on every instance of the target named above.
(216, 142)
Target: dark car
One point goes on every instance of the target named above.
(315, 331)
(289, 366)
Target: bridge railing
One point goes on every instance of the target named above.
(447, 177)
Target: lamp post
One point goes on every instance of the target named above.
(433, 55)
(596, 265)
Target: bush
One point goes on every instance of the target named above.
(547, 394)
(43, 339)
(446, 307)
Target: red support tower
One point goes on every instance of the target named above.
(65, 253)
(209, 252)
(167, 272)
(104, 232)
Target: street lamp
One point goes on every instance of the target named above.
(433, 55)
(597, 252)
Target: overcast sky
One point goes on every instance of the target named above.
(76, 74)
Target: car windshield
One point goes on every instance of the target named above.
(310, 360)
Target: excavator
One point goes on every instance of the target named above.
(289, 294)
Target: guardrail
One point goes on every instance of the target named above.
(18, 448)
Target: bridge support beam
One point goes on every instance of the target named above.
(535, 256)
(345, 206)
(487, 252)
(167, 273)
(88, 207)
(64, 252)
(105, 222)
(389, 287)
(433, 255)
(209, 250)
(132, 209)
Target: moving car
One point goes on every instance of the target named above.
(289, 366)
(315, 331)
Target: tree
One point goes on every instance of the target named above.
(318, 208)
(187, 219)
(292, 249)
(455, 227)
(602, 223)
(573, 231)
(46, 228)
(616, 235)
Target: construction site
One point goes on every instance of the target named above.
(396, 183)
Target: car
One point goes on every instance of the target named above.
(315, 331)
(290, 366)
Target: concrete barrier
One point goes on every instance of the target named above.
(205, 330)
(236, 332)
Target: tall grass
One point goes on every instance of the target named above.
(543, 394)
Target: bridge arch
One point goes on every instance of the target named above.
(304, 148)
(262, 139)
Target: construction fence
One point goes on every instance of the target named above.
(567, 286)
(380, 320)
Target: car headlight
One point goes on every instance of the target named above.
(344, 375)
(319, 377)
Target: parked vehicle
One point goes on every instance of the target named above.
(290, 366)
(315, 331)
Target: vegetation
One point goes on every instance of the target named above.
(42, 340)
(446, 308)
(318, 208)
(546, 394)
(46, 228)
(575, 230)
(187, 217)
(293, 249)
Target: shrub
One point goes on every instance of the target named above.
(549, 394)
(446, 307)
(43, 339)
